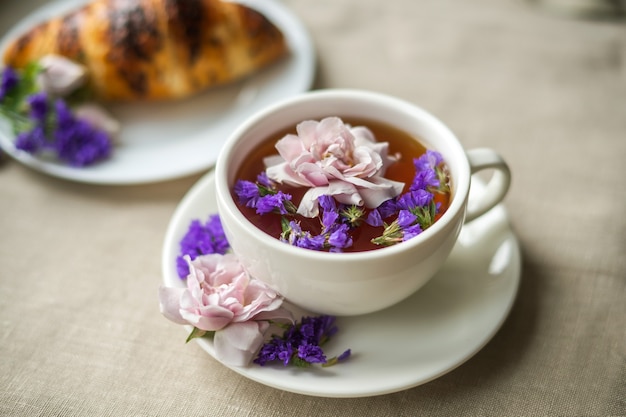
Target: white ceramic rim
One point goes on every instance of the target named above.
(461, 182)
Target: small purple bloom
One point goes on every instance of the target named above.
(414, 199)
(311, 353)
(425, 179)
(31, 141)
(247, 192)
(38, 103)
(406, 219)
(322, 327)
(374, 218)
(327, 203)
(76, 141)
(79, 144)
(307, 241)
(429, 160)
(388, 208)
(285, 353)
(301, 343)
(329, 218)
(263, 180)
(273, 203)
(339, 238)
(201, 239)
(276, 349)
(411, 231)
(345, 355)
(8, 81)
(65, 119)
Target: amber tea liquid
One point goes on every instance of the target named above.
(400, 143)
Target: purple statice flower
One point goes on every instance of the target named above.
(406, 219)
(46, 126)
(8, 81)
(345, 355)
(301, 344)
(318, 330)
(247, 192)
(263, 197)
(414, 215)
(411, 231)
(39, 107)
(295, 236)
(311, 353)
(374, 218)
(333, 237)
(338, 238)
(82, 145)
(329, 219)
(430, 173)
(425, 179)
(79, 144)
(273, 203)
(414, 199)
(276, 350)
(327, 203)
(31, 141)
(388, 208)
(334, 226)
(306, 240)
(201, 239)
(263, 180)
(429, 160)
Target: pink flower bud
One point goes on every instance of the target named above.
(59, 75)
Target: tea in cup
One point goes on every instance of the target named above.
(322, 197)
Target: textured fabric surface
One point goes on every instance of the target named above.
(80, 330)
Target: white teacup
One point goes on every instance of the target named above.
(358, 282)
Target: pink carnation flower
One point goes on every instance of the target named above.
(332, 158)
(222, 297)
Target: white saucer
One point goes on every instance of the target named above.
(161, 141)
(432, 332)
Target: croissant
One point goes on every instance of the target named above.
(155, 49)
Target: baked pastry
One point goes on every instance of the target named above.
(155, 49)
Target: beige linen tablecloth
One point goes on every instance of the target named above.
(80, 329)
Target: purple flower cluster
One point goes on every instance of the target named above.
(263, 196)
(301, 344)
(416, 209)
(412, 212)
(334, 235)
(8, 81)
(75, 141)
(201, 239)
(51, 126)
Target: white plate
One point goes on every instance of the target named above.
(162, 141)
(432, 332)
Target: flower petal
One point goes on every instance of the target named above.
(209, 318)
(60, 75)
(98, 117)
(169, 303)
(279, 314)
(385, 190)
(237, 343)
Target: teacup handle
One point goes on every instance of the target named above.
(497, 187)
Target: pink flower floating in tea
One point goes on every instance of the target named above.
(332, 158)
